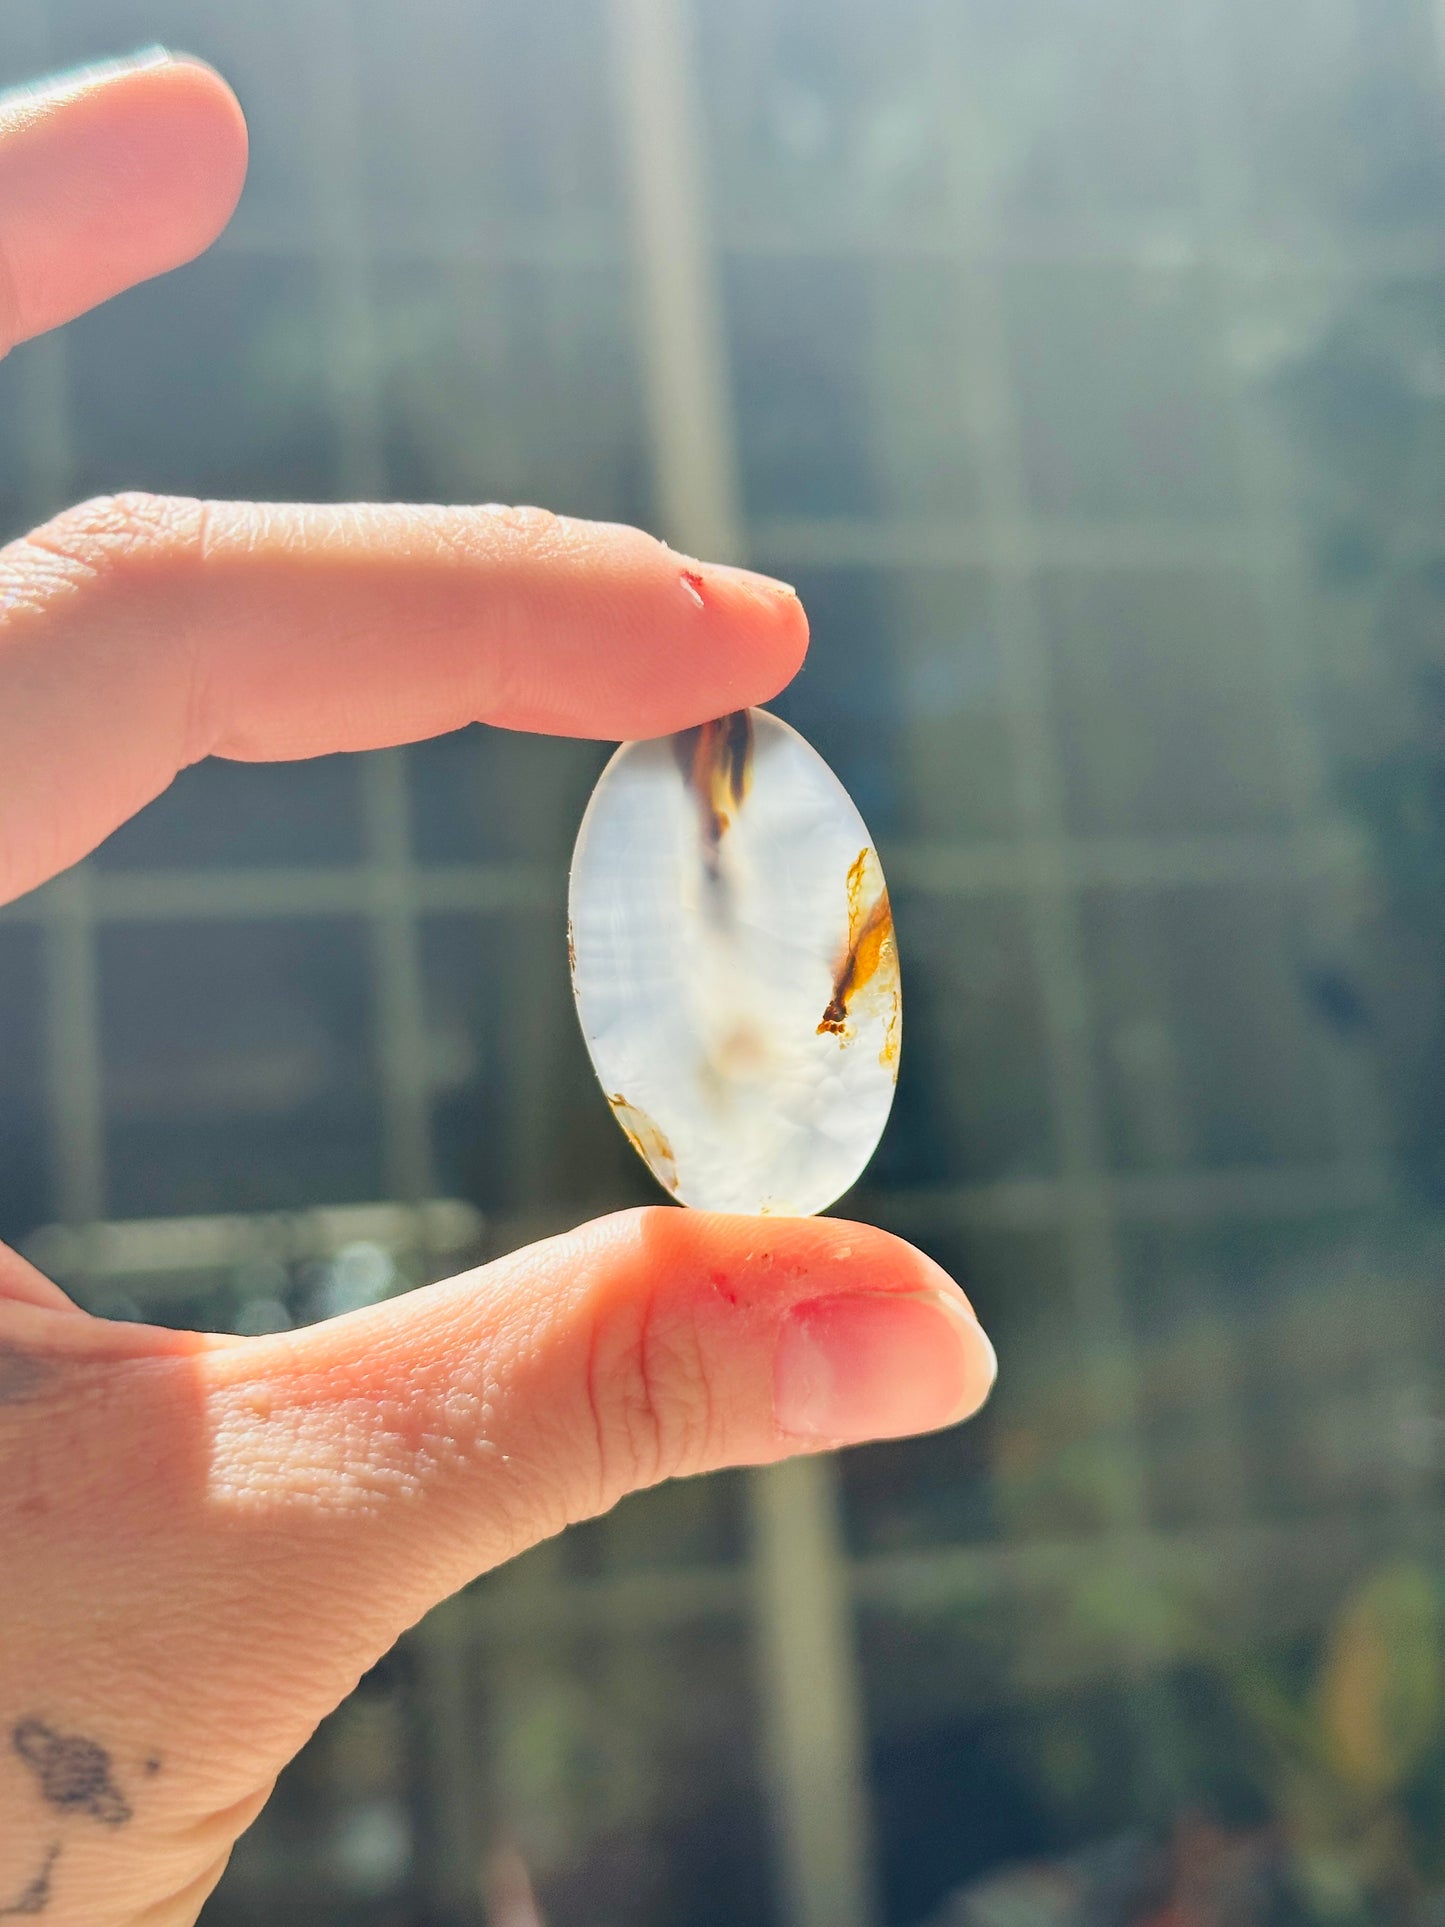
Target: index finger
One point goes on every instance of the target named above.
(141, 633)
(108, 176)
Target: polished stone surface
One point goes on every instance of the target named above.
(735, 966)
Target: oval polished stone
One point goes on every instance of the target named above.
(735, 967)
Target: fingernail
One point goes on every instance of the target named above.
(855, 1368)
(750, 579)
(73, 79)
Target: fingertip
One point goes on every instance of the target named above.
(194, 145)
(781, 1257)
(108, 177)
(869, 1337)
(851, 1367)
(767, 626)
(211, 89)
(874, 1339)
(651, 1344)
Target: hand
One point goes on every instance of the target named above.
(206, 1540)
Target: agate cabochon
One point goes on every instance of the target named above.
(735, 967)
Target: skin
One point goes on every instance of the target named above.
(205, 1541)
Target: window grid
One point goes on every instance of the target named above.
(1274, 553)
(445, 1755)
(1088, 1219)
(1047, 865)
(564, 244)
(396, 971)
(812, 1701)
(1026, 865)
(72, 1014)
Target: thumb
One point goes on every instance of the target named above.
(438, 1434)
(209, 1540)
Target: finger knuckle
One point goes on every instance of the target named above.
(131, 532)
(649, 1398)
(81, 555)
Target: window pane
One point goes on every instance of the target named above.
(1243, 1078)
(502, 796)
(224, 388)
(903, 693)
(1121, 405)
(825, 116)
(851, 387)
(239, 1072)
(471, 116)
(973, 1102)
(510, 384)
(1084, 117)
(246, 814)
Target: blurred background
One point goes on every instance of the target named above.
(1083, 362)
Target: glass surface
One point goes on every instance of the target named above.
(219, 815)
(495, 1141)
(473, 116)
(1167, 709)
(972, 1092)
(908, 696)
(237, 1065)
(1082, 364)
(1121, 406)
(852, 386)
(501, 382)
(482, 795)
(232, 361)
(825, 115)
(1082, 114)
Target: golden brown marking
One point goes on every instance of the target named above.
(870, 955)
(647, 1139)
(716, 760)
(571, 949)
(893, 1033)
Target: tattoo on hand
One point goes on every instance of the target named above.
(75, 1776)
(35, 1898)
(74, 1773)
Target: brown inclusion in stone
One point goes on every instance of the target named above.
(869, 956)
(716, 761)
(646, 1138)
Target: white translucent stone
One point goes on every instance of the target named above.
(734, 966)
